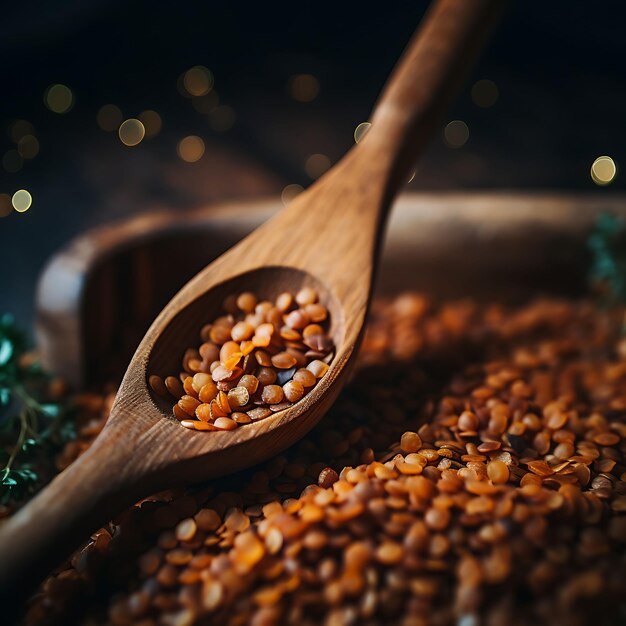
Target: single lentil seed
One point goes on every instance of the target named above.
(318, 368)
(225, 423)
(186, 530)
(498, 472)
(284, 301)
(266, 376)
(305, 377)
(208, 392)
(410, 442)
(238, 396)
(158, 386)
(189, 405)
(293, 390)
(283, 360)
(258, 413)
(179, 414)
(272, 394)
(297, 319)
(249, 382)
(174, 386)
(316, 312)
(246, 302)
(327, 478)
(203, 412)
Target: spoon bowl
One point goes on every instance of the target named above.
(252, 442)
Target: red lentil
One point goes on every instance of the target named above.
(518, 515)
(247, 361)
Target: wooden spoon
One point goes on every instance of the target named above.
(329, 237)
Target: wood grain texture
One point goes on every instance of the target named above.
(329, 237)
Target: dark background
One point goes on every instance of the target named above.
(558, 66)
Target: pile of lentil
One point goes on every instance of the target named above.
(472, 473)
(257, 359)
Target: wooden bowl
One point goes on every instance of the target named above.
(98, 295)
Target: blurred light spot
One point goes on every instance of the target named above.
(222, 118)
(206, 104)
(197, 81)
(190, 149)
(603, 170)
(109, 118)
(360, 130)
(411, 178)
(151, 121)
(19, 128)
(28, 147)
(59, 98)
(316, 165)
(290, 192)
(303, 87)
(456, 134)
(5, 205)
(12, 161)
(21, 200)
(131, 132)
(484, 93)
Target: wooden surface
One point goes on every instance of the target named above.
(328, 237)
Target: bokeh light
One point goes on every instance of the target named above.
(20, 128)
(190, 149)
(290, 192)
(316, 165)
(222, 118)
(21, 200)
(132, 132)
(59, 98)
(303, 87)
(360, 130)
(456, 134)
(151, 121)
(109, 118)
(5, 205)
(603, 171)
(484, 93)
(12, 161)
(197, 81)
(28, 147)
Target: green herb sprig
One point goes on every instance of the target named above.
(32, 428)
(607, 272)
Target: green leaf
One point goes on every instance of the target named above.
(30, 443)
(8, 480)
(27, 475)
(51, 410)
(6, 350)
(41, 426)
(607, 244)
(67, 432)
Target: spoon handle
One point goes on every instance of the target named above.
(342, 216)
(425, 81)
